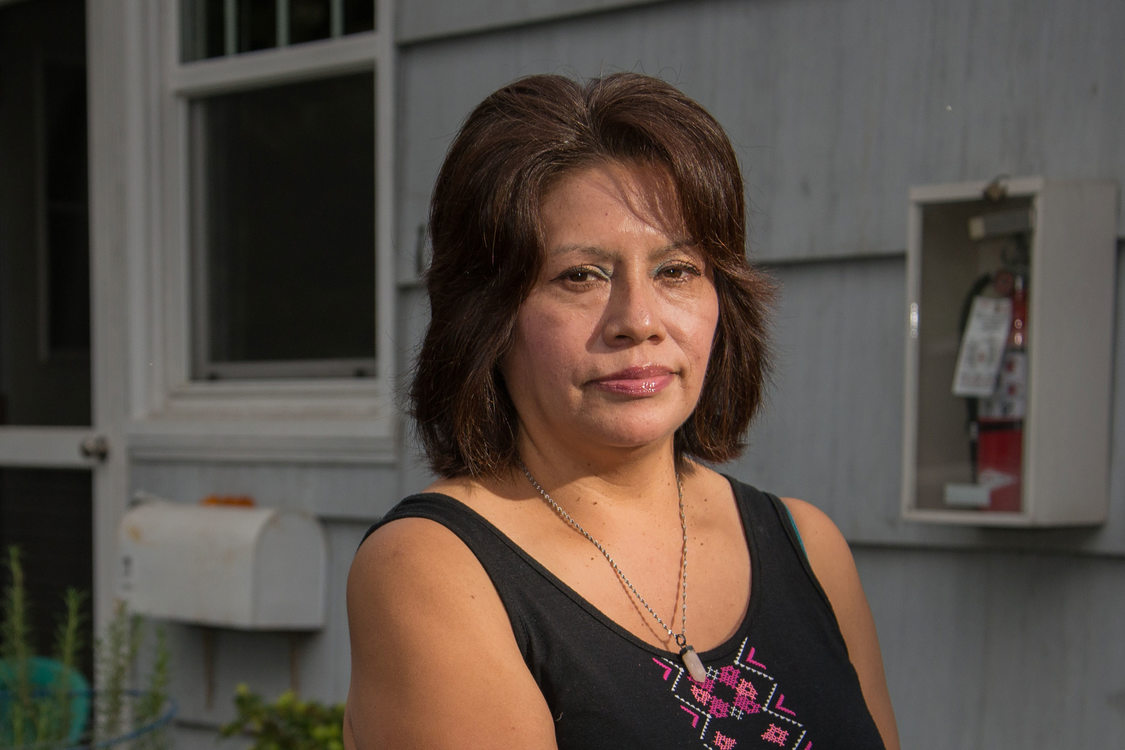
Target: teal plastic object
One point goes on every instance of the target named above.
(44, 676)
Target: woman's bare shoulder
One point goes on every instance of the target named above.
(403, 553)
(405, 567)
(829, 555)
(813, 523)
(832, 563)
(413, 569)
(417, 546)
(428, 629)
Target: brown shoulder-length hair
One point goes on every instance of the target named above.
(486, 235)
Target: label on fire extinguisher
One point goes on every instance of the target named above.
(982, 347)
(1009, 399)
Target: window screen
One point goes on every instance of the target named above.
(283, 240)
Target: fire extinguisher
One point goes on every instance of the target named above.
(999, 418)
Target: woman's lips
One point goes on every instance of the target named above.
(636, 381)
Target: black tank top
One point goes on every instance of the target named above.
(783, 680)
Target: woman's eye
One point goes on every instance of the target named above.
(581, 275)
(677, 272)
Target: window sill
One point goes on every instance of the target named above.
(321, 441)
(307, 422)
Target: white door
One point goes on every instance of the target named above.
(60, 479)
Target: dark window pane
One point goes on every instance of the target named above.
(65, 108)
(44, 260)
(309, 20)
(67, 235)
(47, 514)
(68, 281)
(203, 32)
(253, 24)
(257, 25)
(359, 15)
(288, 243)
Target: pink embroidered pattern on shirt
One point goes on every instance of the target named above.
(775, 734)
(739, 702)
(722, 742)
(729, 676)
(701, 691)
(744, 695)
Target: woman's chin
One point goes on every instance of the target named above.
(629, 438)
(593, 428)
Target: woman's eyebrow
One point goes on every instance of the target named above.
(578, 248)
(675, 246)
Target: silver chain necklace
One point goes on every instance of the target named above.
(691, 660)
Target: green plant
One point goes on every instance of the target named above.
(119, 708)
(289, 723)
(35, 694)
(68, 642)
(44, 702)
(155, 696)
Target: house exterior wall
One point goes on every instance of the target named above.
(992, 638)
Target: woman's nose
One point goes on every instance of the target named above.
(632, 313)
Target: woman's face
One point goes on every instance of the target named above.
(612, 344)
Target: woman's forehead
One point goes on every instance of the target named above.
(643, 189)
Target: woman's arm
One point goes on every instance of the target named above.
(434, 661)
(832, 562)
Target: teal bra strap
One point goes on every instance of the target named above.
(795, 529)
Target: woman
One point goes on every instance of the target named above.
(596, 332)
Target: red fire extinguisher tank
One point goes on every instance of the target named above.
(1001, 416)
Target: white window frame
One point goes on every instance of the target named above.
(316, 419)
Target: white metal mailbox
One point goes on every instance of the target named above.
(241, 567)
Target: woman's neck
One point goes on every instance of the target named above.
(621, 478)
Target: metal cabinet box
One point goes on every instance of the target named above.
(1070, 251)
(254, 568)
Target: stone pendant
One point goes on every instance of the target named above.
(694, 664)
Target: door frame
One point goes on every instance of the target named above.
(115, 151)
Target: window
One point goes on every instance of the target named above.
(283, 247)
(282, 195)
(271, 303)
(66, 209)
(217, 28)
